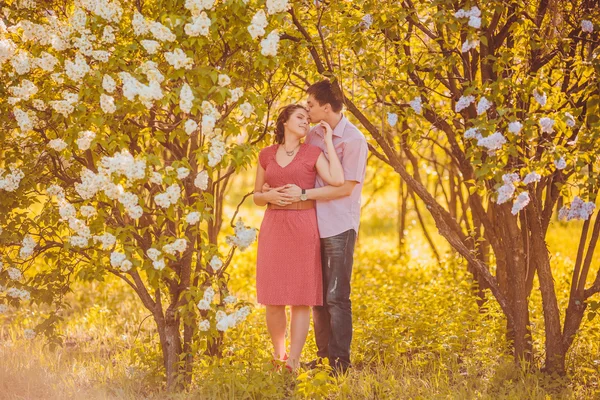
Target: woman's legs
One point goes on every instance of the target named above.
(276, 324)
(298, 332)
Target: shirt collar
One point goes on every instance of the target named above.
(338, 130)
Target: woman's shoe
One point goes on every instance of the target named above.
(277, 363)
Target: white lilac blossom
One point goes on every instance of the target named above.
(151, 46)
(507, 190)
(208, 124)
(469, 45)
(170, 196)
(201, 181)
(416, 105)
(258, 24)
(392, 118)
(223, 80)
(186, 98)
(244, 236)
(200, 25)
(474, 15)
(84, 140)
(540, 97)
(192, 218)
(7, 50)
(197, 6)
(153, 253)
(106, 239)
(179, 245)
(182, 173)
(493, 142)
(25, 90)
(161, 32)
(475, 22)
(587, 26)
(472, 133)
(124, 163)
(483, 105)
(235, 94)
(101, 55)
(39, 104)
(270, 44)
(209, 294)
(27, 246)
(55, 190)
(21, 62)
(57, 144)
(76, 70)
(108, 83)
(107, 104)
(578, 209)
(108, 34)
(18, 293)
(463, 103)
(366, 21)
(216, 263)
(10, 182)
(520, 202)
(78, 241)
(570, 120)
(546, 124)
(3, 308)
(117, 259)
(230, 299)
(277, 6)
(515, 127)
(217, 151)
(560, 163)
(178, 59)
(203, 305)
(23, 120)
(247, 109)
(159, 265)
(156, 178)
(46, 61)
(14, 274)
(88, 211)
(190, 126)
(204, 325)
(532, 177)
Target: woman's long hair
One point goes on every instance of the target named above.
(284, 115)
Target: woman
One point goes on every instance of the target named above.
(288, 270)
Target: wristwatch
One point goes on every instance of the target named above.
(303, 196)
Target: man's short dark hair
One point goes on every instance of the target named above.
(325, 92)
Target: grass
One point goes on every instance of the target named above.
(418, 334)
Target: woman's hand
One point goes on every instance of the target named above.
(328, 136)
(278, 197)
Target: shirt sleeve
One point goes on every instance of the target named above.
(354, 161)
(314, 154)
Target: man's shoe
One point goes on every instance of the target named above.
(313, 364)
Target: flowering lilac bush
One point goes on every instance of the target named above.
(123, 126)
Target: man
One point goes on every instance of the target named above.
(338, 214)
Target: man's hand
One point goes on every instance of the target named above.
(293, 191)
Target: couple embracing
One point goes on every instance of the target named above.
(312, 191)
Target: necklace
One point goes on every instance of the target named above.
(291, 152)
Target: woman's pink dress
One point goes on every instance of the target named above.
(288, 267)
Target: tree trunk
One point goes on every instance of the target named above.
(402, 209)
(170, 341)
(555, 354)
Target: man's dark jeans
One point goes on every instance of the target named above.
(333, 320)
